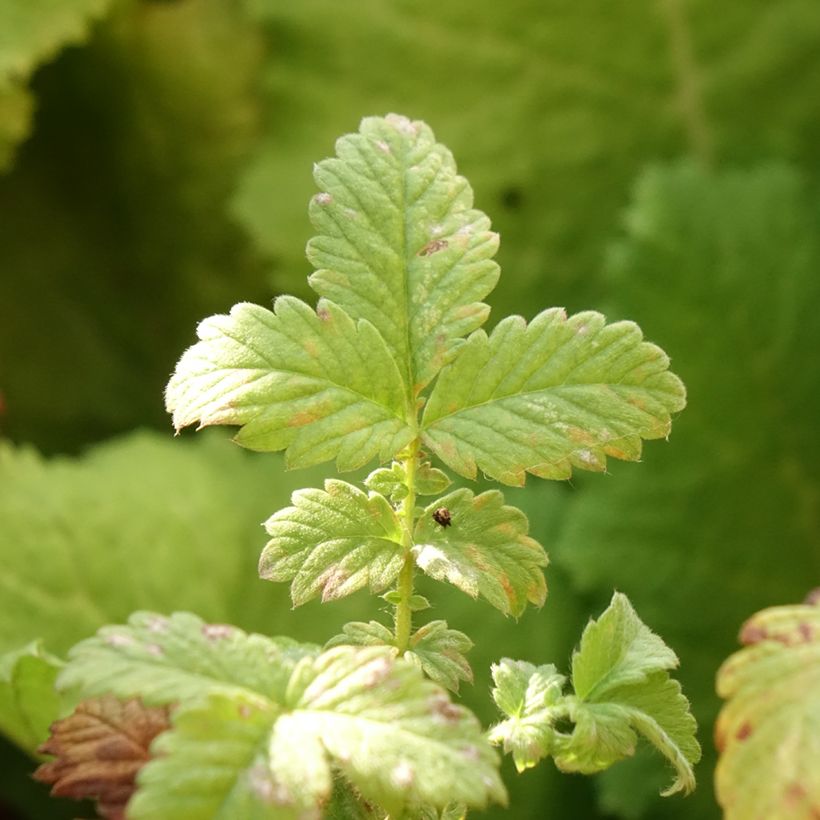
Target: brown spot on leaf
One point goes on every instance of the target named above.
(813, 598)
(302, 418)
(98, 751)
(323, 198)
(744, 731)
(433, 246)
(443, 708)
(806, 632)
(753, 633)
(323, 313)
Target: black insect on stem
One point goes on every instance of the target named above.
(442, 516)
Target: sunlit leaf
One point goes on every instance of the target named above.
(549, 396)
(313, 382)
(333, 542)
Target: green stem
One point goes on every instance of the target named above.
(404, 615)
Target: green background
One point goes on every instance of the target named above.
(657, 160)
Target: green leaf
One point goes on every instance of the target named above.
(334, 542)
(400, 244)
(431, 481)
(617, 649)
(622, 689)
(316, 384)
(28, 700)
(439, 651)
(768, 732)
(484, 551)
(180, 657)
(32, 33)
(212, 765)
(358, 633)
(390, 482)
(528, 695)
(396, 737)
(549, 396)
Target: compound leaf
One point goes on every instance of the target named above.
(484, 550)
(768, 732)
(28, 701)
(439, 651)
(622, 689)
(549, 396)
(314, 383)
(180, 657)
(528, 695)
(99, 750)
(400, 244)
(334, 542)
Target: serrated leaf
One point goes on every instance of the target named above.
(316, 384)
(439, 651)
(431, 481)
(485, 550)
(400, 244)
(768, 732)
(32, 33)
(395, 736)
(99, 750)
(358, 633)
(179, 657)
(626, 691)
(528, 695)
(333, 542)
(28, 700)
(389, 481)
(549, 396)
(212, 765)
(617, 649)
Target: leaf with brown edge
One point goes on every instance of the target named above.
(99, 749)
(768, 732)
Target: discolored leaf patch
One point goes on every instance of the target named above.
(99, 749)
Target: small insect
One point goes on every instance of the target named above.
(442, 516)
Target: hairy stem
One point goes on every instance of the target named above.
(404, 615)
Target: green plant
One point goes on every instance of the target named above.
(272, 728)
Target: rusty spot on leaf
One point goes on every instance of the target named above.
(98, 751)
(753, 633)
(433, 246)
(323, 313)
(744, 731)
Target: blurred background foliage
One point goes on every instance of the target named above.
(658, 160)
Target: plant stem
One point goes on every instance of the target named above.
(404, 615)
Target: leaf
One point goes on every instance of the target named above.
(431, 481)
(400, 244)
(30, 34)
(180, 657)
(358, 633)
(549, 396)
(622, 688)
(439, 651)
(390, 482)
(528, 695)
(212, 765)
(768, 732)
(168, 505)
(395, 736)
(28, 701)
(316, 384)
(99, 750)
(484, 551)
(360, 711)
(334, 542)
(616, 650)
